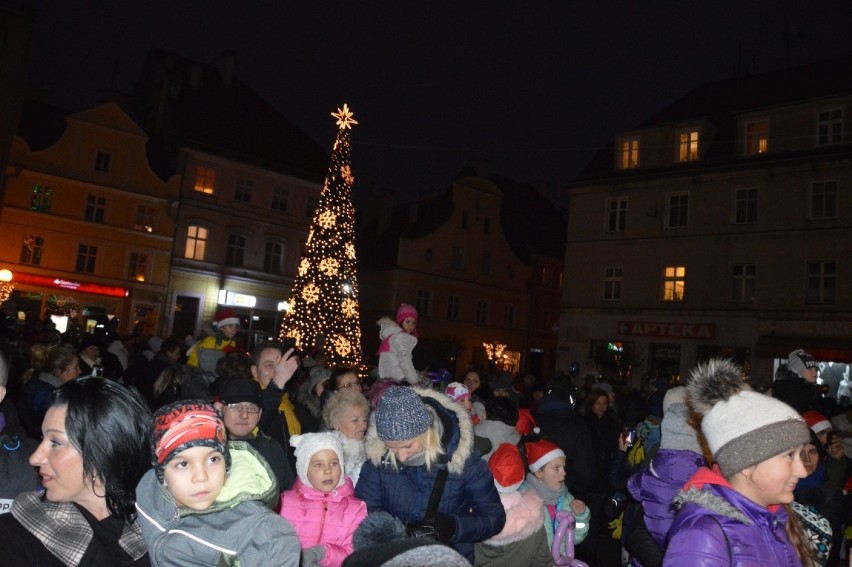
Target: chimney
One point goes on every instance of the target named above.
(225, 64)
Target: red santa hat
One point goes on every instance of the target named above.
(226, 316)
(507, 467)
(541, 452)
(816, 421)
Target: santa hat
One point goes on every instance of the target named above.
(307, 445)
(540, 453)
(226, 316)
(816, 421)
(507, 467)
(183, 425)
(742, 427)
(457, 391)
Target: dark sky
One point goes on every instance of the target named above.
(533, 86)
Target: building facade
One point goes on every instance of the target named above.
(720, 226)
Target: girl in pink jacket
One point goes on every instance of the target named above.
(321, 505)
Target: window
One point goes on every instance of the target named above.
(137, 266)
(310, 207)
(144, 218)
(273, 257)
(822, 282)
(482, 312)
(677, 210)
(743, 278)
(423, 302)
(102, 162)
(674, 283)
(95, 207)
(745, 206)
(629, 154)
(688, 146)
(86, 257)
(616, 215)
(242, 190)
(205, 180)
(756, 137)
(485, 264)
(41, 198)
(464, 220)
(830, 127)
(32, 249)
(458, 258)
(612, 284)
(280, 199)
(453, 307)
(509, 316)
(824, 200)
(235, 251)
(196, 242)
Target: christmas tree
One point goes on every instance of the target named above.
(324, 300)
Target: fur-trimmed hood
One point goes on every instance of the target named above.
(456, 437)
(388, 327)
(524, 515)
(709, 501)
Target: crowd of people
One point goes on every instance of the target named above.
(131, 451)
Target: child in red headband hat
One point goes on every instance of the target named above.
(398, 341)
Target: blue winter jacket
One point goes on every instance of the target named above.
(469, 493)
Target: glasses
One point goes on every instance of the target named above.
(355, 384)
(247, 408)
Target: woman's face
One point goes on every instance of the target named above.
(71, 371)
(60, 465)
(600, 405)
(406, 449)
(553, 473)
(772, 481)
(810, 458)
(353, 423)
(348, 380)
(471, 381)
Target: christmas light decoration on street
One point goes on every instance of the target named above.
(324, 306)
(6, 285)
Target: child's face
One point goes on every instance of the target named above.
(195, 477)
(228, 331)
(466, 403)
(324, 470)
(408, 324)
(553, 473)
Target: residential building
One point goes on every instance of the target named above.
(719, 226)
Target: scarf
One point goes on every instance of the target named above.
(548, 495)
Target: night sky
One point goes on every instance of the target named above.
(534, 87)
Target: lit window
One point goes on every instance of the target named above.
(242, 190)
(482, 312)
(616, 215)
(273, 257)
(688, 146)
(280, 199)
(144, 218)
(743, 279)
(137, 266)
(823, 200)
(235, 251)
(205, 180)
(674, 283)
(756, 137)
(612, 284)
(102, 162)
(86, 258)
(830, 127)
(821, 282)
(509, 316)
(196, 242)
(41, 199)
(745, 206)
(95, 207)
(629, 154)
(677, 210)
(453, 307)
(32, 249)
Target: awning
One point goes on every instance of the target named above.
(835, 349)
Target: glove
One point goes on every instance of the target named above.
(312, 556)
(445, 525)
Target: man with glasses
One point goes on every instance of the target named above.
(241, 411)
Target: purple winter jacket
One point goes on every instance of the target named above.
(719, 527)
(656, 486)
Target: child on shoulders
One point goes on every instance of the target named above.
(398, 342)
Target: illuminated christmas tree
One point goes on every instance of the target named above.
(324, 300)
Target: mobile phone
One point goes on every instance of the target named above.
(629, 437)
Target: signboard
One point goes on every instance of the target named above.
(704, 331)
(236, 299)
(72, 285)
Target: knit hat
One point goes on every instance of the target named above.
(239, 390)
(540, 453)
(226, 316)
(307, 445)
(742, 427)
(319, 374)
(401, 414)
(183, 425)
(816, 421)
(798, 361)
(457, 391)
(676, 433)
(507, 466)
(404, 312)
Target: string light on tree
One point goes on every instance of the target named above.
(324, 301)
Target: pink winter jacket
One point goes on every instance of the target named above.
(327, 519)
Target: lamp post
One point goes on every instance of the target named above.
(6, 285)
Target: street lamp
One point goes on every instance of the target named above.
(6, 285)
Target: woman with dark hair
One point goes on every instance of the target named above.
(95, 451)
(61, 365)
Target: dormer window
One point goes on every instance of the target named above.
(688, 145)
(629, 153)
(756, 137)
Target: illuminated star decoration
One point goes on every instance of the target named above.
(344, 117)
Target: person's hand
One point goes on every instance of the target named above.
(285, 367)
(578, 506)
(622, 442)
(835, 448)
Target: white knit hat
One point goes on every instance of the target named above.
(307, 445)
(742, 427)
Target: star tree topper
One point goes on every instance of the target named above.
(344, 117)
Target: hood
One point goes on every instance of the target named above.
(456, 438)
(307, 400)
(524, 516)
(668, 468)
(387, 327)
(708, 489)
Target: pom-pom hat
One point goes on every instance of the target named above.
(742, 427)
(307, 445)
(816, 421)
(401, 415)
(226, 316)
(540, 453)
(507, 466)
(457, 391)
(183, 425)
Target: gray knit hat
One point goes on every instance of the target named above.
(401, 414)
(676, 433)
(319, 374)
(798, 361)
